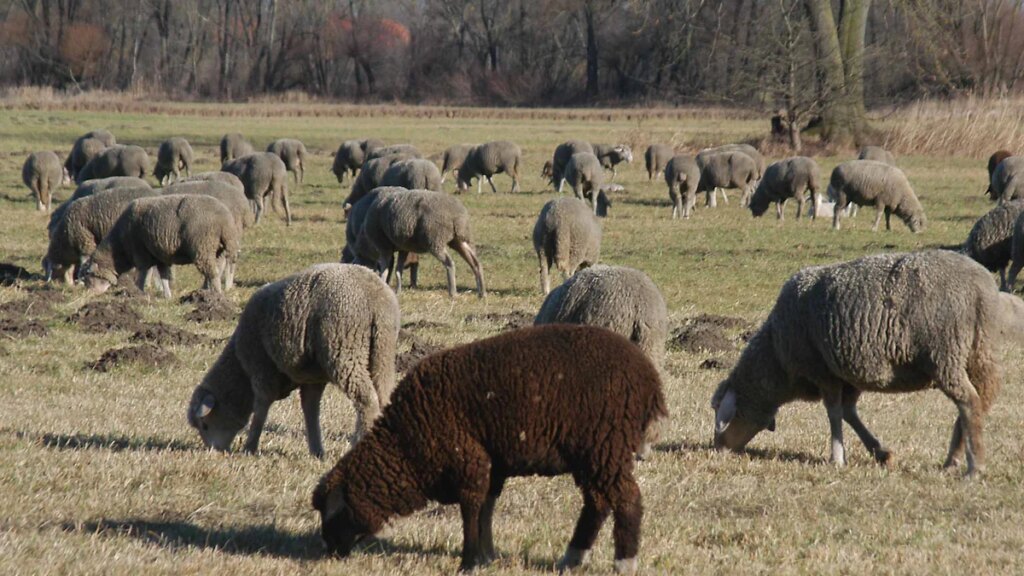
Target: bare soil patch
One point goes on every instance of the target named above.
(38, 306)
(209, 306)
(11, 274)
(717, 364)
(418, 350)
(508, 320)
(166, 335)
(145, 355)
(106, 315)
(18, 326)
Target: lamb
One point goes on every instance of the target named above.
(233, 198)
(453, 158)
(787, 179)
(84, 149)
(563, 153)
(568, 236)
(116, 161)
(358, 249)
(222, 177)
(43, 173)
(82, 225)
(993, 162)
(623, 300)
(726, 170)
(421, 221)
(878, 154)
(584, 173)
(1007, 181)
(681, 171)
(90, 187)
(865, 182)
(488, 159)
(233, 145)
(883, 323)
(406, 150)
(163, 231)
(262, 174)
(370, 177)
(439, 439)
(414, 173)
(611, 155)
(351, 155)
(990, 242)
(656, 159)
(174, 155)
(328, 323)
(294, 155)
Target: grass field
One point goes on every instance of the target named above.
(99, 472)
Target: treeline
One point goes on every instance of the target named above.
(759, 53)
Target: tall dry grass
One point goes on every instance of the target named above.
(971, 127)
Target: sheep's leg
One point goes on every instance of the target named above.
(834, 406)
(956, 445)
(449, 267)
(545, 281)
(400, 266)
(310, 396)
(472, 495)
(561, 183)
(479, 185)
(778, 210)
(469, 255)
(879, 212)
(711, 198)
(627, 511)
(725, 197)
(261, 406)
(487, 551)
(414, 273)
(799, 206)
(1011, 278)
(677, 204)
(837, 211)
(515, 184)
(596, 510)
(229, 275)
(850, 415)
(165, 279)
(962, 392)
(493, 187)
(287, 205)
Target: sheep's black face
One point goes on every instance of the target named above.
(758, 205)
(340, 530)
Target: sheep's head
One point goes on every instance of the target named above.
(915, 220)
(59, 271)
(548, 170)
(733, 431)
(759, 203)
(624, 152)
(340, 526)
(216, 423)
(96, 278)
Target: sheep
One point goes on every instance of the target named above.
(233, 198)
(174, 155)
(726, 170)
(233, 145)
(262, 174)
(294, 155)
(563, 153)
(878, 154)
(885, 323)
(421, 221)
(164, 231)
(370, 177)
(43, 173)
(566, 235)
(1007, 182)
(584, 173)
(90, 187)
(328, 323)
(116, 161)
(681, 171)
(611, 155)
(993, 161)
(547, 170)
(358, 250)
(351, 155)
(755, 155)
(406, 150)
(453, 158)
(222, 177)
(414, 173)
(865, 182)
(656, 159)
(991, 239)
(466, 419)
(82, 225)
(84, 149)
(488, 159)
(621, 299)
(787, 179)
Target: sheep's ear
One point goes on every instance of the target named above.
(206, 406)
(726, 411)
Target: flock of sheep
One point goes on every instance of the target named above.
(581, 391)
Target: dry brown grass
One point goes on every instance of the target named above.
(970, 127)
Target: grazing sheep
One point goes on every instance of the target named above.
(466, 419)
(758, 158)
(1007, 181)
(43, 173)
(584, 173)
(404, 150)
(222, 177)
(164, 231)
(358, 250)
(726, 170)
(656, 159)
(370, 177)
(682, 176)
(566, 235)
(453, 158)
(611, 155)
(174, 155)
(293, 153)
(990, 242)
(547, 170)
(262, 174)
(488, 159)
(878, 154)
(233, 198)
(84, 149)
(563, 153)
(351, 155)
(787, 179)
(116, 161)
(867, 182)
(620, 299)
(233, 145)
(328, 323)
(421, 221)
(883, 323)
(90, 187)
(993, 162)
(414, 173)
(82, 225)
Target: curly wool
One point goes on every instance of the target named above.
(294, 155)
(726, 170)
(262, 174)
(878, 154)
(867, 183)
(85, 148)
(1007, 182)
(90, 187)
(759, 160)
(413, 174)
(233, 198)
(486, 160)
(233, 145)
(173, 156)
(370, 177)
(656, 159)
(453, 158)
(43, 173)
(116, 161)
(786, 179)
(563, 153)
(584, 173)
(566, 235)
(682, 175)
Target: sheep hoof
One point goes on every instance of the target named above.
(573, 558)
(626, 566)
(884, 457)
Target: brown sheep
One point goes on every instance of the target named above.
(547, 400)
(993, 162)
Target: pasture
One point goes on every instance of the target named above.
(99, 472)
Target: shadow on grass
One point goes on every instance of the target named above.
(754, 453)
(110, 442)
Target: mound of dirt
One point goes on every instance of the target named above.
(509, 320)
(726, 322)
(18, 326)
(29, 307)
(422, 325)
(418, 351)
(696, 338)
(11, 274)
(201, 297)
(146, 355)
(717, 364)
(209, 306)
(106, 315)
(166, 335)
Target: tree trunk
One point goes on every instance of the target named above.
(592, 54)
(853, 22)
